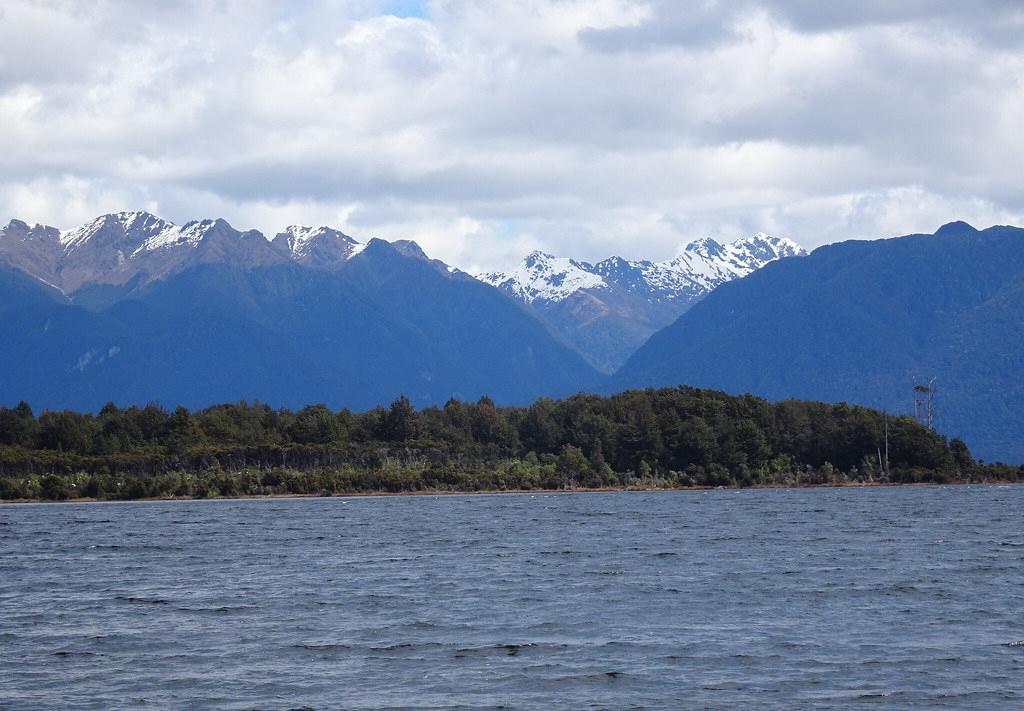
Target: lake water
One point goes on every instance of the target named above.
(892, 597)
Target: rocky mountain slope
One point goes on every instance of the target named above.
(137, 248)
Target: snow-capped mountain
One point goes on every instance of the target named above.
(699, 268)
(129, 232)
(608, 309)
(317, 246)
(137, 247)
(544, 277)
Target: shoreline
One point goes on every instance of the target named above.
(507, 492)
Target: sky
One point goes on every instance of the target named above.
(486, 129)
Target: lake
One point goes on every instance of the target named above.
(906, 597)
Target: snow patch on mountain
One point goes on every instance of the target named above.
(357, 248)
(190, 234)
(544, 277)
(132, 227)
(301, 238)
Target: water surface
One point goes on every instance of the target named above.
(893, 597)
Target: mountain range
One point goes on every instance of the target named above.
(132, 249)
(602, 311)
(131, 308)
(608, 309)
(863, 322)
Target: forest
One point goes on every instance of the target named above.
(654, 438)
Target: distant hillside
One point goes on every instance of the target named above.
(859, 322)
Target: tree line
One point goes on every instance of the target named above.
(670, 437)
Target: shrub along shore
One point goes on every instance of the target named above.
(666, 438)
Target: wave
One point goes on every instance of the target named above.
(322, 647)
(142, 600)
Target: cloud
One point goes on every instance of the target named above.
(485, 129)
(705, 23)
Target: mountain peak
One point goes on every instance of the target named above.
(952, 229)
(190, 234)
(541, 276)
(764, 248)
(137, 218)
(409, 248)
(537, 257)
(612, 262)
(705, 247)
(115, 228)
(315, 244)
(27, 231)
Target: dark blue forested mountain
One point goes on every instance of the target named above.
(207, 319)
(858, 322)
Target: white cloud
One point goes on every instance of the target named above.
(485, 129)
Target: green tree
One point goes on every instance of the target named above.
(750, 442)
(400, 423)
(66, 431)
(315, 424)
(572, 466)
(539, 432)
(18, 425)
(965, 463)
(183, 432)
(697, 443)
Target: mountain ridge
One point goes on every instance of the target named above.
(702, 264)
